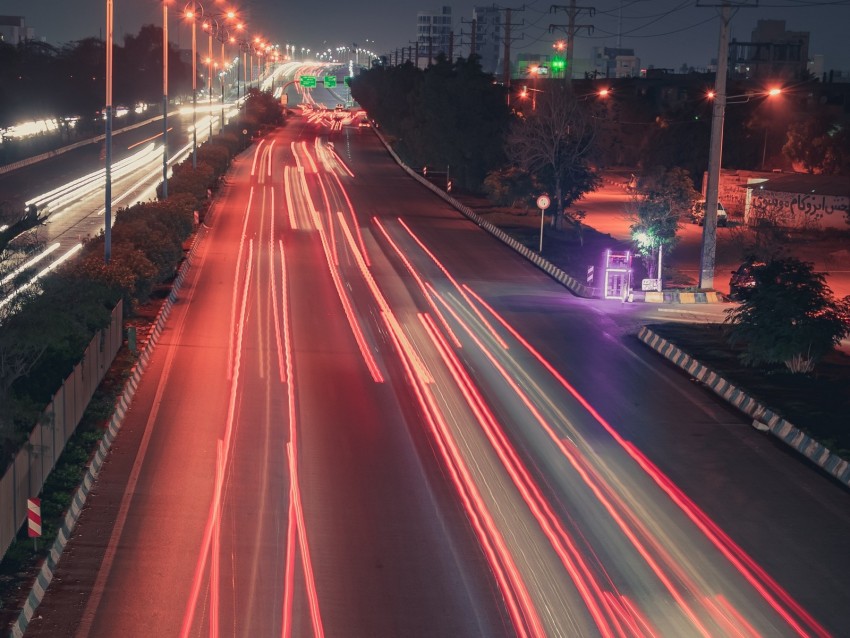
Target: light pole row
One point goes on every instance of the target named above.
(194, 12)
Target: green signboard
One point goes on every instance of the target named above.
(347, 80)
(329, 81)
(308, 81)
(558, 63)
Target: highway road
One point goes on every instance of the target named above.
(369, 418)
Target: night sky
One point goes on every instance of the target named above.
(664, 33)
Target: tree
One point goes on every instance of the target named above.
(554, 143)
(820, 143)
(789, 317)
(660, 199)
(509, 186)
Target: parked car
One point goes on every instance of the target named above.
(698, 214)
(743, 280)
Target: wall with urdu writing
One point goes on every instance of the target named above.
(797, 210)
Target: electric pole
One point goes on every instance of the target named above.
(571, 29)
(506, 69)
(715, 150)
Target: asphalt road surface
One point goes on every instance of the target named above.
(369, 418)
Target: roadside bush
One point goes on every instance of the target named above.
(142, 228)
(174, 213)
(216, 156)
(195, 182)
(789, 317)
(129, 271)
(231, 139)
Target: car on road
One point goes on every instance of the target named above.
(698, 214)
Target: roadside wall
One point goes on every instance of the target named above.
(797, 210)
(35, 460)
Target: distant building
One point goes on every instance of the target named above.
(773, 53)
(13, 30)
(434, 34)
(611, 62)
(489, 43)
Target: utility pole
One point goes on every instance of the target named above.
(571, 29)
(473, 23)
(416, 44)
(451, 46)
(715, 150)
(506, 70)
(507, 61)
(430, 51)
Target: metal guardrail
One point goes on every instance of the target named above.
(8, 168)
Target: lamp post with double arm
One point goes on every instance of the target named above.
(194, 12)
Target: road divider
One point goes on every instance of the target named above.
(766, 418)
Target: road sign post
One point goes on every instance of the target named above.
(34, 520)
(542, 203)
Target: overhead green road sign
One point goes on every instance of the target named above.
(329, 81)
(347, 80)
(308, 81)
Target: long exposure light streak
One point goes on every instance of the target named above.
(231, 332)
(386, 312)
(204, 551)
(764, 584)
(354, 223)
(353, 322)
(419, 282)
(256, 153)
(454, 283)
(558, 537)
(287, 189)
(523, 615)
(642, 550)
(306, 560)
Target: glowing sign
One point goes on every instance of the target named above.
(308, 81)
(329, 81)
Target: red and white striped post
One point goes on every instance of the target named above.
(34, 519)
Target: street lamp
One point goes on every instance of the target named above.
(194, 12)
(107, 231)
(165, 99)
(209, 26)
(535, 71)
(709, 229)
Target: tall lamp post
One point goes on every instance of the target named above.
(165, 99)
(709, 229)
(712, 187)
(107, 230)
(209, 26)
(194, 12)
